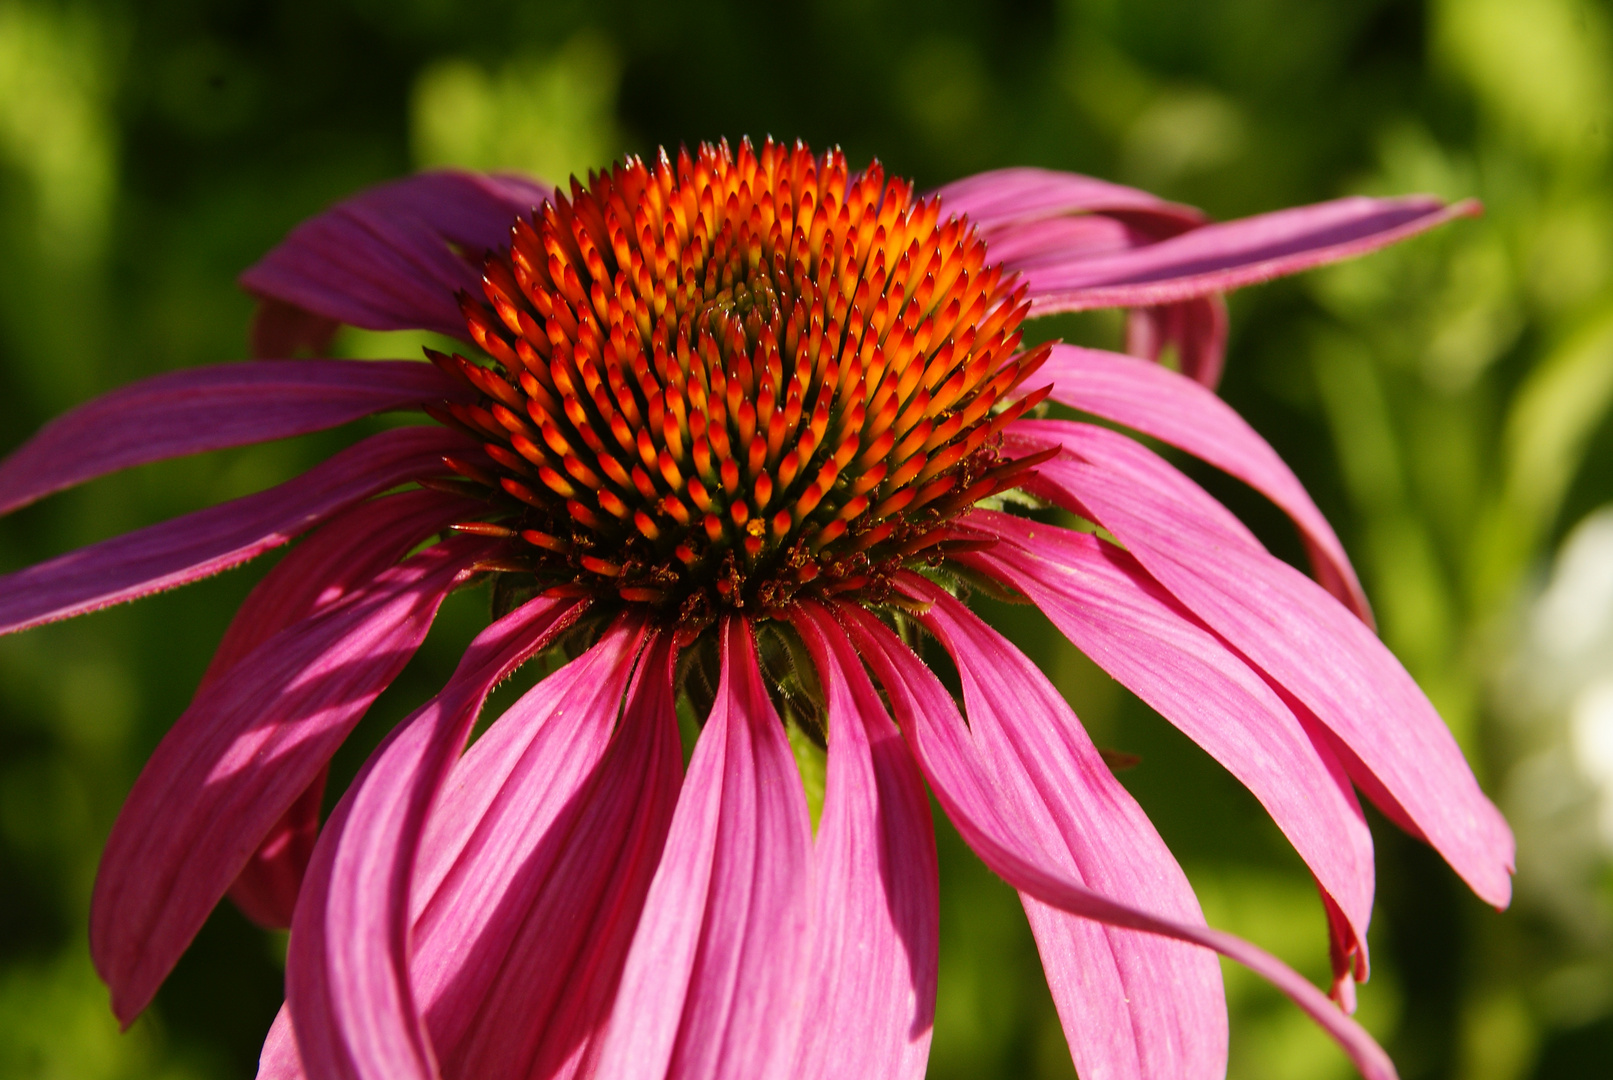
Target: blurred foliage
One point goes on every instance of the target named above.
(1447, 402)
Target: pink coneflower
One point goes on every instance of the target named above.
(739, 429)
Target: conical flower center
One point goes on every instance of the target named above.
(730, 380)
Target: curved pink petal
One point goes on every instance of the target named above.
(1133, 1005)
(1111, 610)
(1009, 827)
(279, 1059)
(347, 972)
(876, 902)
(201, 544)
(1196, 329)
(1179, 411)
(282, 329)
(266, 888)
(209, 408)
(713, 987)
(992, 199)
(519, 949)
(343, 554)
(1229, 255)
(394, 257)
(1306, 641)
(247, 747)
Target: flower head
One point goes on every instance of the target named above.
(735, 430)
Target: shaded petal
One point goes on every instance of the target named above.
(1009, 827)
(519, 951)
(246, 748)
(1306, 641)
(385, 259)
(266, 888)
(1111, 610)
(341, 555)
(1133, 1005)
(347, 973)
(203, 543)
(209, 408)
(1229, 255)
(876, 901)
(991, 199)
(712, 987)
(1176, 410)
(1196, 329)
(282, 329)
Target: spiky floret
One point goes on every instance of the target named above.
(733, 379)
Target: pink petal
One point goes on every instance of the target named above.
(712, 987)
(282, 329)
(201, 544)
(1011, 827)
(385, 259)
(544, 846)
(279, 1059)
(991, 199)
(347, 976)
(1110, 609)
(1133, 1005)
(1196, 329)
(1300, 636)
(246, 748)
(345, 553)
(187, 412)
(266, 888)
(1229, 255)
(876, 905)
(1181, 412)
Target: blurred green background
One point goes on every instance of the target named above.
(1448, 404)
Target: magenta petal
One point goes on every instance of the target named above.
(1010, 828)
(1110, 609)
(991, 199)
(1181, 412)
(266, 888)
(347, 977)
(279, 1059)
(1301, 637)
(876, 904)
(201, 544)
(1132, 1004)
(386, 260)
(519, 950)
(343, 554)
(1196, 329)
(247, 747)
(282, 329)
(1229, 255)
(208, 408)
(712, 987)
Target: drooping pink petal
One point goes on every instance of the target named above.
(1229, 255)
(1176, 410)
(1111, 610)
(344, 553)
(209, 408)
(1196, 329)
(386, 258)
(992, 199)
(1133, 1005)
(347, 972)
(876, 905)
(247, 747)
(203, 543)
(266, 888)
(1011, 828)
(713, 984)
(1300, 636)
(519, 950)
(279, 1059)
